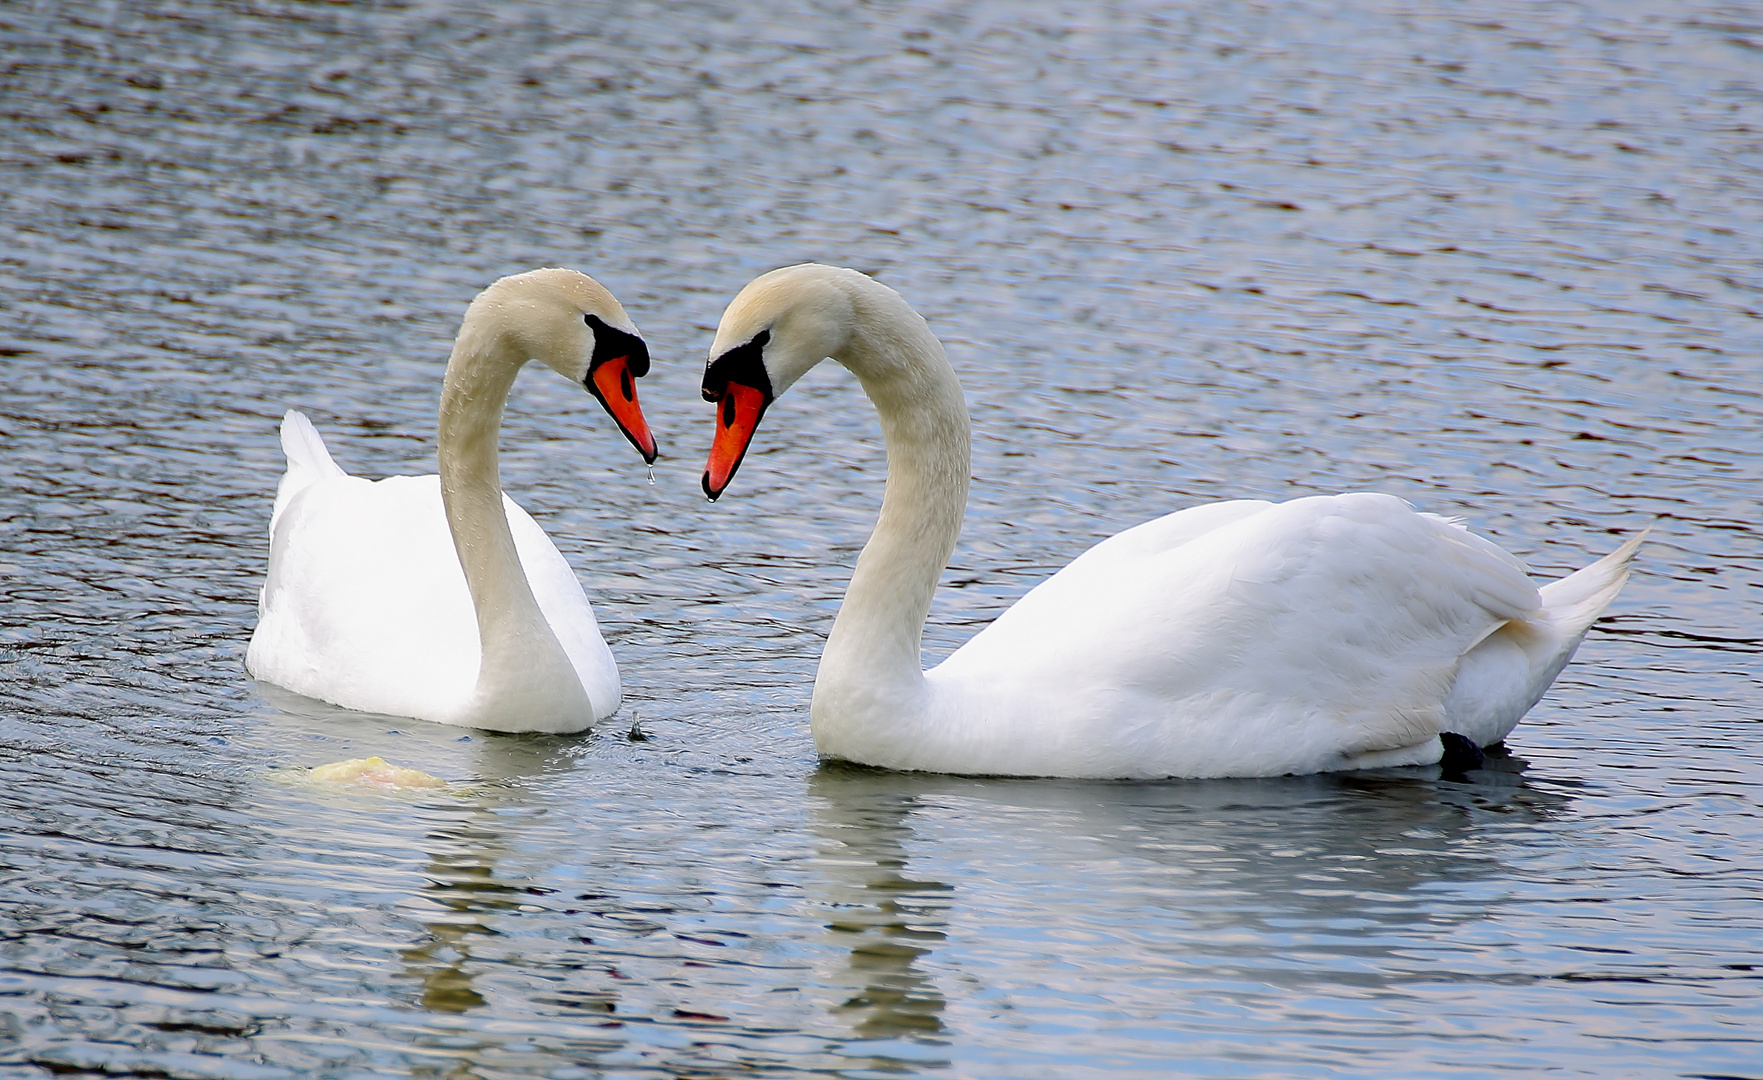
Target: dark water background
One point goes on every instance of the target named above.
(1504, 259)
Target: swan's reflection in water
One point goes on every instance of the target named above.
(884, 917)
(462, 885)
(454, 839)
(1244, 892)
(465, 895)
(558, 897)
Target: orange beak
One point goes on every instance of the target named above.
(612, 383)
(737, 418)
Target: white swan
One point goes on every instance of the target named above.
(1238, 638)
(436, 596)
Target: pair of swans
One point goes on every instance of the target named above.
(1241, 638)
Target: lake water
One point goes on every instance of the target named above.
(1502, 259)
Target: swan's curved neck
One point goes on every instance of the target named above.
(872, 658)
(522, 664)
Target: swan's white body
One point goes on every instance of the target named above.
(366, 605)
(388, 596)
(1238, 638)
(1254, 639)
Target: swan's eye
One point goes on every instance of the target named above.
(728, 410)
(743, 365)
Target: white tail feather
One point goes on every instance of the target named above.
(1575, 602)
(308, 461)
(1501, 678)
(305, 447)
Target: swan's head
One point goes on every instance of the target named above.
(578, 329)
(775, 329)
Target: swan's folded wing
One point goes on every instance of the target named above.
(1159, 536)
(1331, 625)
(560, 597)
(365, 602)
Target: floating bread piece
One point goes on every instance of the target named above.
(375, 771)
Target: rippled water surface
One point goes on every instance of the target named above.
(1499, 258)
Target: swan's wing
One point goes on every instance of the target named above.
(1151, 539)
(1246, 631)
(365, 601)
(565, 606)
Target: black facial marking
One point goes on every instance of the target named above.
(728, 411)
(624, 384)
(744, 364)
(611, 343)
